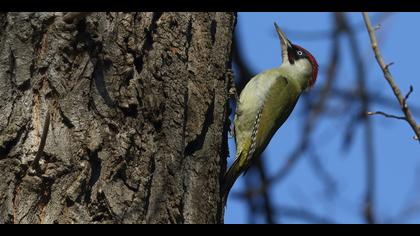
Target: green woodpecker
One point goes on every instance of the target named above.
(266, 102)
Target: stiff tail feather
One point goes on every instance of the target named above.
(230, 177)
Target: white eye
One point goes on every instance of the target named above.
(299, 53)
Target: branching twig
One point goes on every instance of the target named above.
(386, 115)
(389, 64)
(402, 100)
(408, 94)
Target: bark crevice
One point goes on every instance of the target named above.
(138, 117)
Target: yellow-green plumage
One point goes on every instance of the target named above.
(258, 118)
(265, 104)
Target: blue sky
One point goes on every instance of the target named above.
(397, 156)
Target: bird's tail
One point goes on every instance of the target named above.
(230, 177)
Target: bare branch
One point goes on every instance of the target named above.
(404, 107)
(386, 115)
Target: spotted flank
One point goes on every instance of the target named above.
(254, 134)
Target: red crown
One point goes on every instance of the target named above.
(314, 65)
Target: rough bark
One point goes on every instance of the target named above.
(138, 117)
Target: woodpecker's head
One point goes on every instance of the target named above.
(298, 57)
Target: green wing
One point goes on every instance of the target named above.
(279, 104)
(257, 127)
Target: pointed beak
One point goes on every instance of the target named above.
(285, 43)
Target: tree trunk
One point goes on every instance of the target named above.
(138, 112)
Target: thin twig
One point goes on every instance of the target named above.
(402, 101)
(389, 64)
(386, 115)
(408, 94)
